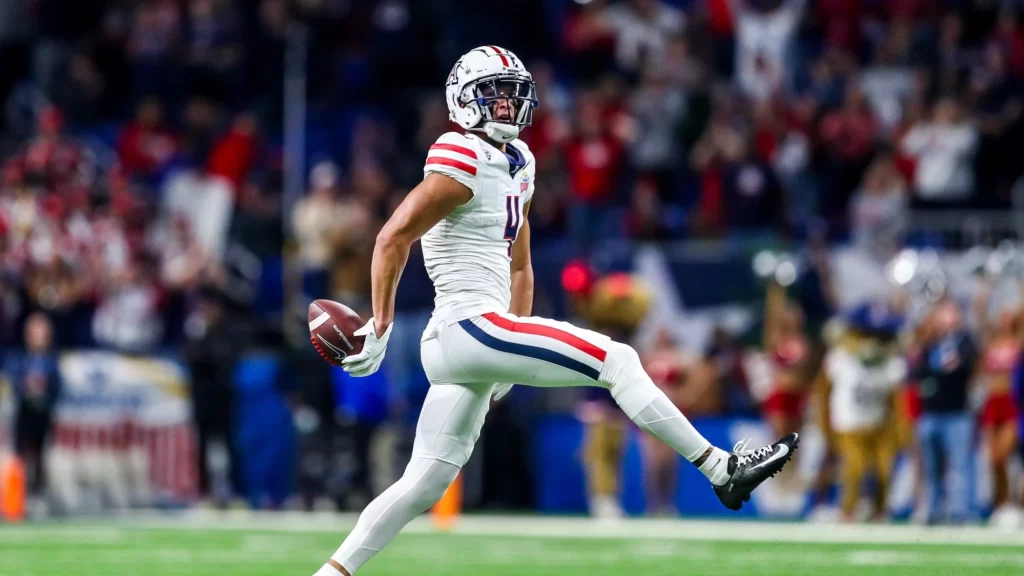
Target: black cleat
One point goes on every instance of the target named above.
(749, 468)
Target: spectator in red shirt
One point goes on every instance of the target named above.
(145, 145)
(51, 158)
(722, 27)
(589, 39)
(840, 21)
(849, 136)
(1010, 38)
(721, 139)
(233, 154)
(768, 130)
(593, 159)
(850, 131)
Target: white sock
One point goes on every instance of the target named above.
(716, 467)
(328, 570)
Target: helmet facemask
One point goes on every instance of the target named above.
(517, 92)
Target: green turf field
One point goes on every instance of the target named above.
(479, 548)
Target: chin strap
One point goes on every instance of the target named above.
(500, 132)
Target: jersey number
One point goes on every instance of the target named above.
(868, 396)
(513, 220)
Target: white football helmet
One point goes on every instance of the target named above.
(482, 77)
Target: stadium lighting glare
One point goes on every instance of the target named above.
(902, 271)
(785, 274)
(765, 263)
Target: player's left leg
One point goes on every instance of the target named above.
(540, 352)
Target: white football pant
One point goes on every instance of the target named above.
(465, 360)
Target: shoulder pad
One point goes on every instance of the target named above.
(453, 154)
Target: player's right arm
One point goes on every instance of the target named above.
(428, 203)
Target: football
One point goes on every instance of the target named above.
(331, 327)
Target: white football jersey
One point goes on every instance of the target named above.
(468, 253)
(861, 395)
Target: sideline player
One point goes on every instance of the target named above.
(469, 214)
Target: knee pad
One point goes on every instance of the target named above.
(624, 376)
(620, 359)
(428, 480)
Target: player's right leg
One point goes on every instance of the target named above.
(448, 427)
(501, 347)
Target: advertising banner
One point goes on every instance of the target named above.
(122, 432)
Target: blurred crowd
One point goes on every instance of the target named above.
(676, 119)
(135, 171)
(140, 199)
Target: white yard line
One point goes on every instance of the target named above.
(553, 527)
(904, 558)
(492, 553)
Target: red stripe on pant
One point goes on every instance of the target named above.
(542, 330)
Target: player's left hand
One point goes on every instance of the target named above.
(370, 357)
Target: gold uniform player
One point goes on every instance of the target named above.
(470, 215)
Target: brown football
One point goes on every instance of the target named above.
(331, 327)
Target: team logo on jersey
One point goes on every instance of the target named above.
(488, 154)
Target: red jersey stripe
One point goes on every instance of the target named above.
(542, 330)
(467, 168)
(453, 148)
(504, 60)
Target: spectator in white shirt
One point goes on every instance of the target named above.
(642, 30)
(316, 221)
(944, 151)
(878, 209)
(764, 36)
(656, 109)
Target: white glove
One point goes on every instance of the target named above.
(370, 357)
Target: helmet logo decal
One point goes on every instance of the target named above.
(453, 77)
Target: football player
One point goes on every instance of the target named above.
(470, 215)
